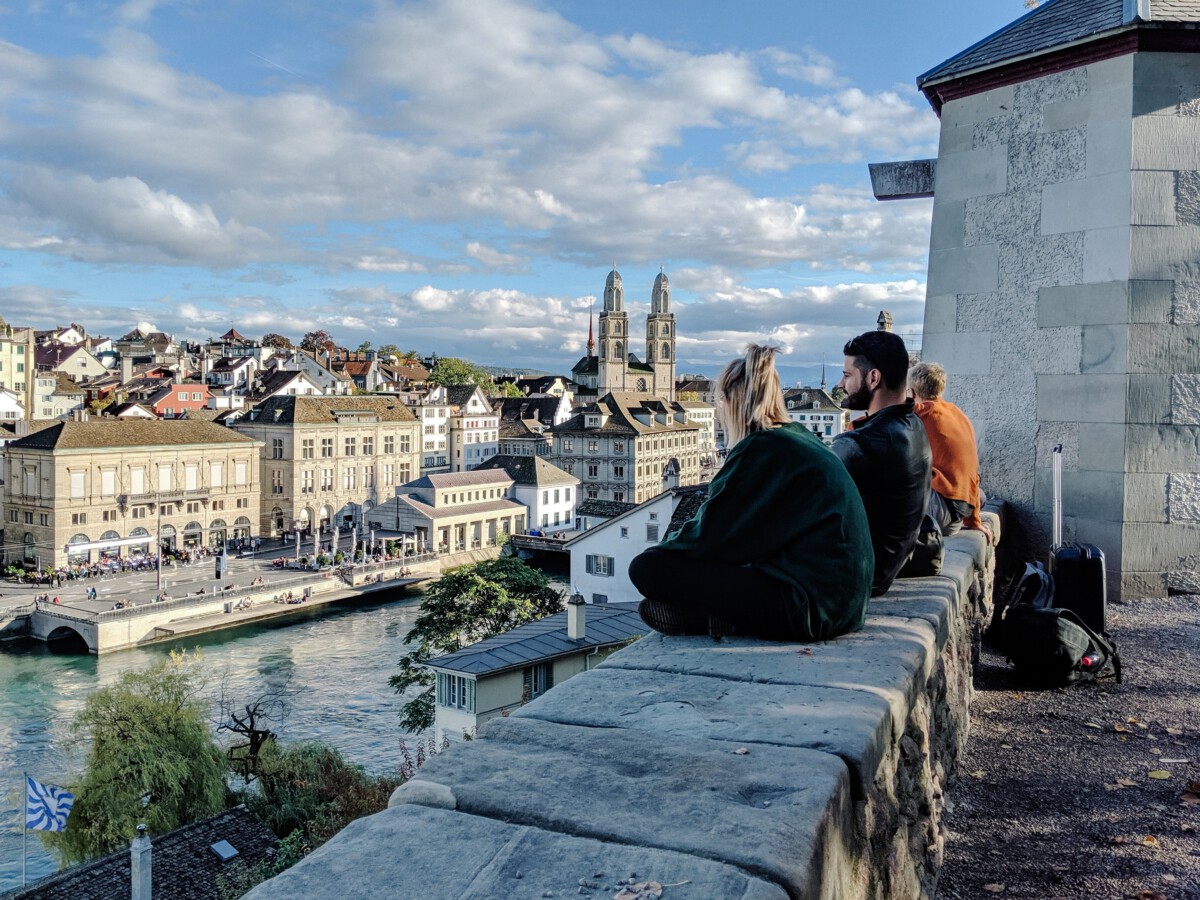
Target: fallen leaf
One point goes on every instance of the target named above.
(1112, 787)
(1160, 774)
(1118, 839)
(1174, 731)
(1193, 786)
(1122, 729)
(1091, 725)
(1017, 697)
(1127, 782)
(1173, 762)
(994, 888)
(741, 751)
(1044, 730)
(1149, 895)
(978, 773)
(1132, 721)
(1155, 751)
(1190, 799)
(1149, 841)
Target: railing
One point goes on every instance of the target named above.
(16, 612)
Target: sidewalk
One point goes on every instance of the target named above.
(1084, 792)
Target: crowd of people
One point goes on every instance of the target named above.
(793, 540)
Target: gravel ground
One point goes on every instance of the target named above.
(1084, 791)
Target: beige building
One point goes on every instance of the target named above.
(453, 511)
(16, 364)
(329, 460)
(86, 488)
(629, 447)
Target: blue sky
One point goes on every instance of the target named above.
(458, 176)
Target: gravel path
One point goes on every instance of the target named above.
(1084, 791)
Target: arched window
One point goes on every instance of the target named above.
(641, 384)
(666, 330)
(666, 352)
(30, 547)
(617, 348)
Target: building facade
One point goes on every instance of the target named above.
(326, 461)
(474, 433)
(548, 493)
(86, 488)
(817, 411)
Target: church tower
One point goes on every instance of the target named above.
(614, 337)
(660, 338)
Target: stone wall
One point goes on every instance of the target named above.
(731, 768)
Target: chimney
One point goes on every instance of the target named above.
(576, 617)
(126, 368)
(139, 864)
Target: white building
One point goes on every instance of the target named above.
(434, 413)
(549, 493)
(474, 433)
(817, 411)
(11, 407)
(600, 557)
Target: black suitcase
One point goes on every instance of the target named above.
(1080, 582)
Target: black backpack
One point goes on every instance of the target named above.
(1048, 646)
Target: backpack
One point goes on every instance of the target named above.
(1048, 646)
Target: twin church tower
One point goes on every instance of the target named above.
(616, 368)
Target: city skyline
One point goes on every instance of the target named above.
(459, 178)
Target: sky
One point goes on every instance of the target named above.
(459, 176)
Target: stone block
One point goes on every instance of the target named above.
(1150, 301)
(1153, 198)
(1149, 399)
(1114, 74)
(978, 107)
(1101, 447)
(1109, 146)
(1142, 585)
(1159, 349)
(1085, 494)
(961, 353)
(489, 859)
(1146, 497)
(1183, 498)
(903, 180)
(1161, 448)
(1081, 398)
(970, 270)
(1159, 253)
(784, 812)
(1165, 68)
(1104, 349)
(1185, 298)
(956, 138)
(1105, 534)
(1084, 204)
(1056, 351)
(949, 225)
(972, 173)
(941, 314)
(1103, 303)
(1150, 546)
(1187, 197)
(1166, 142)
(1156, 100)
(1185, 399)
(1106, 254)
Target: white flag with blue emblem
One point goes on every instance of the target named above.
(46, 806)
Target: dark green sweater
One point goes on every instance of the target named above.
(784, 504)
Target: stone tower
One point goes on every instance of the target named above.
(1064, 272)
(613, 360)
(660, 338)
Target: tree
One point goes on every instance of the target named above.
(688, 396)
(505, 389)
(465, 605)
(152, 760)
(451, 370)
(364, 346)
(278, 341)
(388, 350)
(318, 341)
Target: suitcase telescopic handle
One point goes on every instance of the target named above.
(1056, 502)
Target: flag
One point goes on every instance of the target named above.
(46, 806)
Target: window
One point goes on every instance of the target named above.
(624, 532)
(28, 518)
(326, 448)
(545, 496)
(556, 500)
(306, 448)
(653, 517)
(78, 518)
(217, 505)
(242, 503)
(108, 482)
(276, 448)
(599, 598)
(193, 507)
(568, 445)
(216, 474)
(306, 482)
(456, 692)
(599, 565)
(593, 446)
(77, 485)
(652, 533)
(327, 479)
(618, 447)
(389, 444)
(593, 471)
(276, 481)
(43, 518)
(13, 515)
(545, 519)
(538, 680)
(351, 445)
(567, 494)
(191, 476)
(196, 395)
(139, 512)
(240, 473)
(619, 473)
(388, 475)
(350, 479)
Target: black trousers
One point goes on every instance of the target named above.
(741, 596)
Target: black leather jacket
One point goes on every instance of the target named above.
(887, 454)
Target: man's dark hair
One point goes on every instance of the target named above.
(882, 350)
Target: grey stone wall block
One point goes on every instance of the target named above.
(1159, 252)
(1184, 576)
(1057, 351)
(1040, 159)
(1005, 311)
(1146, 497)
(903, 179)
(1166, 142)
(1161, 448)
(972, 173)
(1049, 260)
(1185, 399)
(1109, 146)
(1143, 585)
(956, 137)
(1165, 68)
(1187, 197)
(972, 270)
(1105, 349)
(978, 107)
(962, 354)
(1051, 435)
(1102, 303)
(1111, 74)
(1012, 217)
(1149, 399)
(1150, 349)
(1081, 398)
(1156, 100)
(1101, 446)
(1183, 497)
(1098, 496)
(1185, 300)
(1030, 97)
(1106, 254)
(948, 229)
(1150, 301)
(1086, 203)
(1165, 548)
(941, 314)
(1189, 104)
(1153, 198)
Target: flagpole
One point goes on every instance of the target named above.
(24, 821)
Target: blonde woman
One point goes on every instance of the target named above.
(780, 549)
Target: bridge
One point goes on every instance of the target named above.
(549, 543)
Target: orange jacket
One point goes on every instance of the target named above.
(955, 458)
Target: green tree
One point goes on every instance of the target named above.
(151, 759)
(451, 370)
(505, 389)
(278, 341)
(364, 346)
(318, 341)
(688, 396)
(465, 605)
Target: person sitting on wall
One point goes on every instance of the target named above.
(886, 452)
(780, 548)
(954, 498)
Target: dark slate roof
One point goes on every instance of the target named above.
(603, 509)
(606, 624)
(459, 394)
(690, 500)
(515, 408)
(1053, 25)
(311, 410)
(587, 365)
(528, 470)
(183, 864)
(622, 409)
(804, 398)
(132, 432)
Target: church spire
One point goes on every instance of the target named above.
(591, 341)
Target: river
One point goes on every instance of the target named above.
(338, 660)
